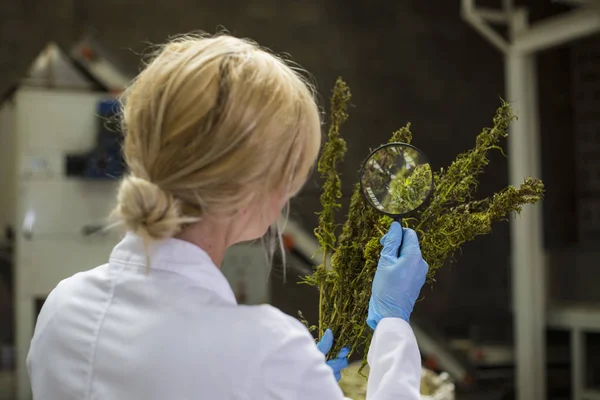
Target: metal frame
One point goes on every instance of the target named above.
(527, 255)
(578, 320)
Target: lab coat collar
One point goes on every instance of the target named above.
(177, 256)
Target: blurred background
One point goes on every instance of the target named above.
(433, 63)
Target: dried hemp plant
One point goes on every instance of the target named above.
(451, 218)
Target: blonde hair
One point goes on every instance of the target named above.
(211, 125)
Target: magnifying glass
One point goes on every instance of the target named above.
(396, 179)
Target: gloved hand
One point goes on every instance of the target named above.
(398, 279)
(341, 361)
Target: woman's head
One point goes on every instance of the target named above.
(216, 128)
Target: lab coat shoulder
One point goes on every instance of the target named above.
(63, 333)
(52, 304)
(61, 295)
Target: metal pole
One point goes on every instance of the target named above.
(539, 275)
(526, 229)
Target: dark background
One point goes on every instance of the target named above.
(404, 61)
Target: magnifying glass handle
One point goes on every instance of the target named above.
(399, 220)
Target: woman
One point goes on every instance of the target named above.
(220, 134)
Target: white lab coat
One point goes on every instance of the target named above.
(118, 333)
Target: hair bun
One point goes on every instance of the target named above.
(147, 210)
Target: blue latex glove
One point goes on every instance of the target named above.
(338, 363)
(398, 279)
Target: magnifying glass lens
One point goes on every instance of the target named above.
(396, 179)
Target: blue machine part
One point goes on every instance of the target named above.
(106, 160)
